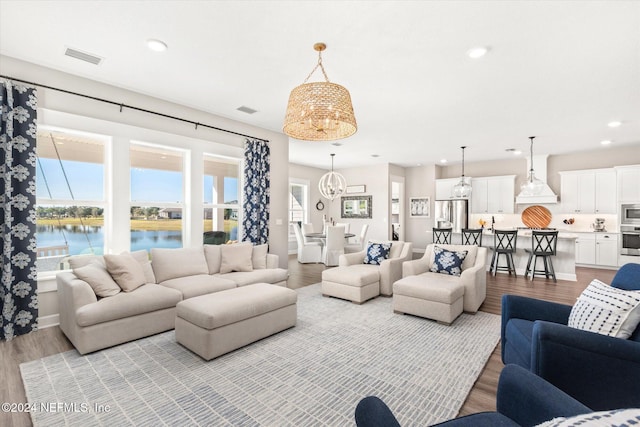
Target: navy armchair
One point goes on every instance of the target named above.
(600, 371)
(523, 399)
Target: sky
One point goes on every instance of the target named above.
(148, 185)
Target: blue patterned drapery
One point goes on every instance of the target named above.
(18, 293)
(255, 206)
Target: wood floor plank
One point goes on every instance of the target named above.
(481, 398)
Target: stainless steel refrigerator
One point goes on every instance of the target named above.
(452, 213)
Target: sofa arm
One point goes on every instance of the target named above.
(529, 400)
(600, 371)
(474, 280)
(414, 267)
(390, 272)
(73, 293)
(351, 259)
(273, 261)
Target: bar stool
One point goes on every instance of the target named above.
(442, 236)
(543, 244)
(504, 243)
(472, 236)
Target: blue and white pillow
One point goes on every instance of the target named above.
(376, 253)
(448, 262)
(616, 417)
(606, 310)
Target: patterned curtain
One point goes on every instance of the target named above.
(18, 293)
(255, 223)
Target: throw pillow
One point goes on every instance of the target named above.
(259, 257)
(125, 270)
(78, 261)
(376, 253)
(616, 417)
(97, 276)
(236, 257)
(448, 262)
(606, 310)
(142, 257)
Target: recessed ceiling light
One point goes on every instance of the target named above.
(605, 142)
(156, 45)
(246, 109)
(513, 151)
(477, 52)
(443, 161)
(337, 144)
(419, 164)
(614, 124)
(375, 155)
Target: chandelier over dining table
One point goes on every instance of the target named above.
(319, 111)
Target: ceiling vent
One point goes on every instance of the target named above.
(247, 110)
(83, 56)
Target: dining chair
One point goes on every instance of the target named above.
(472, 236)
(442, 236)
(359, 244)
(333, 246)
(307, 252)
(308, 229)
(343, 224)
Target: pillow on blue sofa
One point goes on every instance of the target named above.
(606, 310)
(616, 417)
(448, 262)
(376, 253)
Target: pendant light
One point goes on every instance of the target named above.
(319, 111)
(533, 186)
(462, 189)
(332, 184)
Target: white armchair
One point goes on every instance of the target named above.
(389, 270)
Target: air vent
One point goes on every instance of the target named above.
(247, 110)
(83, 56)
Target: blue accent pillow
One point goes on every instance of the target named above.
(448, 262)
(376, 253)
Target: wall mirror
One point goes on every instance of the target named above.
(355, 207)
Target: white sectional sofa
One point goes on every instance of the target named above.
(96, 312)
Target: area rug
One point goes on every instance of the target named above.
(311, 375)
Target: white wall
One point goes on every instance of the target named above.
(66, 103)
(419, 182)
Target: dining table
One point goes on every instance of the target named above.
(324, 236)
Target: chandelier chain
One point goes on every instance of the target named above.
(319, 64)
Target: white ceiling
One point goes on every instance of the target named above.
(559, 70)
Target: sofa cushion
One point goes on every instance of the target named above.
(447, 262)
(125, 270)
(143, 258)
(259, 256)
(606, 310)
(212, 255)
(357, 275)
(200, 284)
(269, 275)
(430, 287)
(145, 299)
(236, 257)
(470, 259)
(97, 276)
(172, 263)
(376, 253)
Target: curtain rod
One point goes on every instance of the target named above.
(121, 105)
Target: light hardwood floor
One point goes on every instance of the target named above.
(481, 398)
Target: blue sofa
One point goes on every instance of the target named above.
(600, 371)
(523, 399)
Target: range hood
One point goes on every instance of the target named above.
(547, 195)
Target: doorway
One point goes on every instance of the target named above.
(396, 219)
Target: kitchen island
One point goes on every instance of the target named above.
(564, 262)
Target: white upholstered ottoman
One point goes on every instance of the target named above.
(441, 301)
(214, 324)
(356, 283)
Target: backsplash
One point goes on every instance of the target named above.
(582, 222)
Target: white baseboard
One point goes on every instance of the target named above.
(48, 321)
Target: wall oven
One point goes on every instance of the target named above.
(630, 240)
(630, 214)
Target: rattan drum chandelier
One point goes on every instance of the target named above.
(319, 111)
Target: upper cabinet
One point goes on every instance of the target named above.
(589, 191)
(444, 187)
(494, 194)
(628, 184)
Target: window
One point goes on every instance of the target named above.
(221, 195)
(298, 203)
(157, 196)
(69, 196)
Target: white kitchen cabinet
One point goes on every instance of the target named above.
(628, 184)
(444, 187)
(586, 248)
(589, 191)
(605, 194)
(607, 249)
(494, 194)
